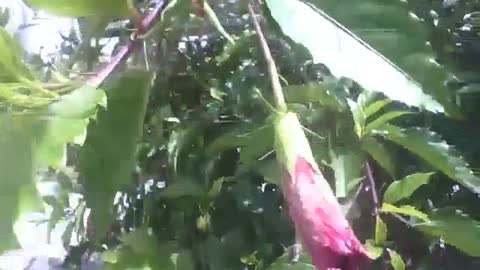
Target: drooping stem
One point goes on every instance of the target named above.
(278, 96)
(216, 22)
(145, 24)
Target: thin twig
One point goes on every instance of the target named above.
(272, 69)
(216, 22)
(145, 24)
(371, 180)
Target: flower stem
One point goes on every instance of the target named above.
(279, 99)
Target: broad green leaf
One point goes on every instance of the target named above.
(345, 54)
(407, 210)
(380, 231)
(80, 103)
(80, 8)
(403, 188)
(107, 158)
(396, 260)
(376, 149)
(429, 146)
(383, 119)
(374, 107)
(16, 172)
(455, 228)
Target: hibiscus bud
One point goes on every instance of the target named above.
(316, 213)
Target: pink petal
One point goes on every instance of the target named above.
(320, 221)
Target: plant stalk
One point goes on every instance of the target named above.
(278, 96)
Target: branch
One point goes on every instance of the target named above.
(371, 180)
(272, 68)
(214, 20)
(145, 25)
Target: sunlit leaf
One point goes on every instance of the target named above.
(373, 250)
(429, 146)
(455, 228)
(407, 210)
(403, 188)
(384, 119)
(374, 107)
(11, 64)
(345, 54)
(358, 117)
(66, 122)
(396, 260)
(380, 231)
(79, 8)
(16, 172)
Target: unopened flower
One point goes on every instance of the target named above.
(316, 213)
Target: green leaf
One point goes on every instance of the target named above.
(396, 260)
(407, 210)
(254, 142)
(142, 242)
(322, 93)
(383, 119)
(80, 8)
(67, 122)
(347, 167)
(180, 139)
(358, 117)
(455, 228)
(403, 188)
(16, 172)
(284, 263)
(270, 170)
(380, 231)
(345, 54)
(429, 146)
(376, 149)
(107, 158)
(80, 103)
(374, 107)
(374, 251)
(11, 64)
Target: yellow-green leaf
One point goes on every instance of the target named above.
(403, 188)
(407, 210)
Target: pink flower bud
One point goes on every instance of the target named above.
(316, 213)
